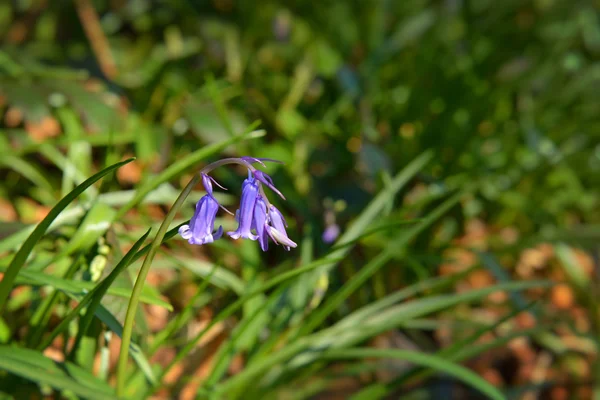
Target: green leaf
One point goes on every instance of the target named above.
(393, 247)
(222, 277)
(428, 360)
(79, 288)
(358, 227)
(306, 350)
(33, 366)
(19, 260)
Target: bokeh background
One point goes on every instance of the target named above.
(442, 169)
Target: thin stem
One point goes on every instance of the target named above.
(139, 285)
(226, 161)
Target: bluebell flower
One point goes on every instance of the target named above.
(260, 224)
(257, 219)
(202, 224)
(331, 233)
(246, 212)
(276, 229)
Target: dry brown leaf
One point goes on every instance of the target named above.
(47, 127)
(13, 117)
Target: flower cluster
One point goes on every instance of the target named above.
(257, 218)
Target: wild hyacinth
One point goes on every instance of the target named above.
(257, 218)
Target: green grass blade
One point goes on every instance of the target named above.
(33, 366)
(96, 294)
(139, 285)
(100, 290)
(220, 277)
(245, 327)
(373, 266)
(79, 288)
(232, 308)
(428, 360)
(307, 349)
(183, 317)
(19, 260)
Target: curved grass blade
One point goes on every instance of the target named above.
(33, 366)
(373, 266)
(233, 307)
(94, 297)
(139, 285)
(305, 350)
(428, 360)
(79, 288)
(457, 352)
(102, 288)
(19, 260)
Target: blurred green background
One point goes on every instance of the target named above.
(455, 144)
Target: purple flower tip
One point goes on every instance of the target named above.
(267, 181)
(277, 230)
(331, 233)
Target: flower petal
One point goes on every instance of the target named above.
(246, 212)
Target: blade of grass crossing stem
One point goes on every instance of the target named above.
(185, 164)
(437, 363)
(373, 266)
(19, 259)
(42, 315)
(78, 288)
(33, 366)
(95, 296)
(139, 284)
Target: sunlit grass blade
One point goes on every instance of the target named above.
(370, 213)
(306, 350)
(34, 366)
(457, 351)
(183, 317)
(228, 349)
(94, 297)
(373, 266)
(19, 259)
(235, 306)
(219, 276)
(432, 361)
(79, 288)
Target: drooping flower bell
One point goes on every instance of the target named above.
(277, 230)
(202, 224)
(246, 211)
(261, 219)
(257, 218)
